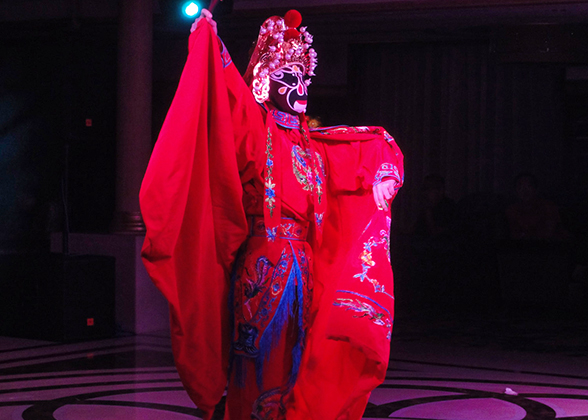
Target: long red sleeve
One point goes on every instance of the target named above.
(349, 344)
(191, 201)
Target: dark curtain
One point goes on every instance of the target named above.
(457, 111)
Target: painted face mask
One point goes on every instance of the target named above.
(283, 58)
(287, 89)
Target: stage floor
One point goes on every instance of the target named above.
(436, 372)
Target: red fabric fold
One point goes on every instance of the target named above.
(347, 353)
(191, 202)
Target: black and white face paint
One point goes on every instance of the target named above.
(287, 89)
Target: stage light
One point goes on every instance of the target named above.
(191, 9)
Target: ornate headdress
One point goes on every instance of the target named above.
(279, 44)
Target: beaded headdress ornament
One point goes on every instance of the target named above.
(279, 44)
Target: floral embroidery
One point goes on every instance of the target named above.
(310, 177)
(367, 261)
(270, 192)
(289, 229)
(317, 164)
(319, 219)
(375, 313)
(387, 233)
(301, 168)
(387, 170)
(321, 164)
(317, 177)
(272, 233)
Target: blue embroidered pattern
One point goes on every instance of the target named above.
(388, 137)
(266, 299)
(317, 176)
(375, 313)
(291, 305)
(270, 192)
(289, 229)
(387, 170)
(319, 219)
(225, 57)
(306, 173)
(301, 168)
(284, 119)
(271, 233)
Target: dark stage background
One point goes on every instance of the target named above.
(473, 94)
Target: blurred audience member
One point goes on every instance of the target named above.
(532, 217)
(438, 212)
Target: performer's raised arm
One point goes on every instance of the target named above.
(206, 16)
(246, 114)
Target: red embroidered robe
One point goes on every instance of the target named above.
(209, 160)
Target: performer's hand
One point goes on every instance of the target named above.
(207, 16)
(383, 193)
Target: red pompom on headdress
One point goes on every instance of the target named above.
(292, 18)
(279, 43)
(291, 33)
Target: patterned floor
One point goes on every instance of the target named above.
(453, 374)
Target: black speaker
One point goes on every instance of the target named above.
(57, 297)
